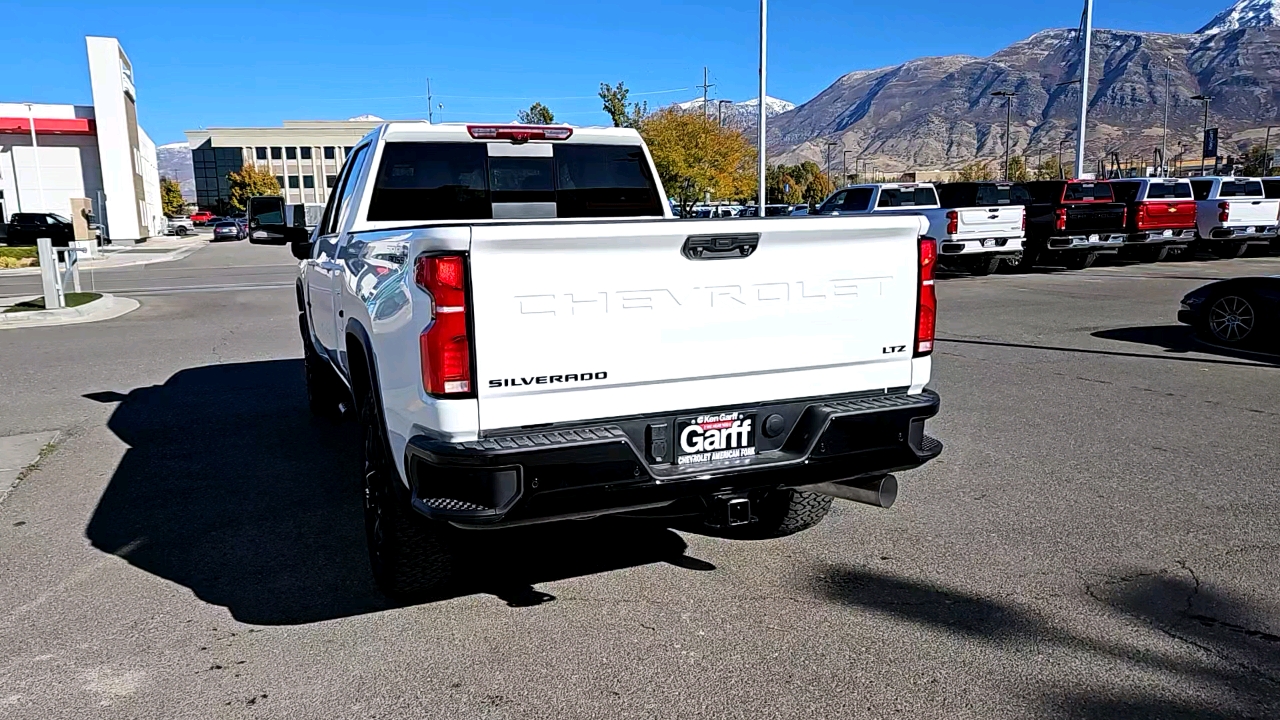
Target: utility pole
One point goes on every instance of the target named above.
(35, 154)
(1086, 32)
(706, 108)
(430, 115)
(760, 142)
(1205, 99)
(831, 146)
(844, 168)
(1164, 143)
(1266, 152)
(720, 110)
(1008, 96)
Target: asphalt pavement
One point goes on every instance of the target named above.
(1098, 540)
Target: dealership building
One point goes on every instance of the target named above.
(52, 155)
(304, 156)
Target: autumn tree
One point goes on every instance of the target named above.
(537, 114)
(976, 171)
(1051, 169)
(615, 104)
(251, 181)
(171, 200)
(1018, 169)
(694, 156)
(1254, 162)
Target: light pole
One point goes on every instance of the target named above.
(764, 15)
(844, 167)
(35, 154)
(1008, 96)
(720, 110)
(830, 146)
(1086, 33)
(1205, 99)
(1164, 143)
(1266, 152)
(1062, 172)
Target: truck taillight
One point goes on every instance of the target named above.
(445, 344)
(1060, 219)
(1224, 211)
(1024, 219)
(953, 222)
(927, 313)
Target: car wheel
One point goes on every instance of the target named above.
(984, 265)
(1153, 254)
(1026, 261)
(1227, 251)
(412, 557)
(325, 392)
(1081, 260)
(180, 231)
(1231, 320)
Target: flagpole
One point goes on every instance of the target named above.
(1086, 33)
(760, 141)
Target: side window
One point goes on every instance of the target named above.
(1126, 191)
(338, 203)
(834, 202)
(859, 200)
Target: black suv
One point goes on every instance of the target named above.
(24, 228)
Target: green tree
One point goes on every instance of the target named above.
(249, 182)
(171, 200)
(537, 114)
(1018, 169)
(818, 188)
(976, 171)
(695, 156)
(1254, 162)
(615, 104)
(1051, 169)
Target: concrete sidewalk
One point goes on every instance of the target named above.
(155, 250)
(17, 453)
(104, 308)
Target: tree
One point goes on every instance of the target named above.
(249, 182)
(1018, 169)
(615, 103)
(1050, 169)
(818, 188)
(694, 156)
(537, 114)
(1254, 162)
(171, 200)
(976, 171)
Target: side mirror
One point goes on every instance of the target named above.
(266, 220)
(301, 247)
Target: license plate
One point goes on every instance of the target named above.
(714, 437)
(1093, 238)
(988, 243)
(1167, 233)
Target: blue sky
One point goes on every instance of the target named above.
(257, 63)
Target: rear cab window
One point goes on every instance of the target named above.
(907, 197)
(1168, 191)
(424, 181)
(1087, 192)
(1240, 188)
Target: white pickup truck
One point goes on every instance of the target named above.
(526, 335)
(1233, 213)
(978, 225)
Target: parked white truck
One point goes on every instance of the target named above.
(526, 335)
(978, 225)
(1233, 213)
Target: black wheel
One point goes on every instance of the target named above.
(1231, 320)
(1080, 260)
(1153, 253)
(1228, 251)
(412, 558)
(782, 513)
(180, 231)
(1025, 262)
(984, 265)
(325, 393)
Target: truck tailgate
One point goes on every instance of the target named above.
(1252, 211)
(1092, 217)
(578, 321)
(993, 222)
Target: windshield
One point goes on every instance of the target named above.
(461, 181)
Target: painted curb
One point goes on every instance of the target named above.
(105, 308)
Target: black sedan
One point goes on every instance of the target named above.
(229, 230)
(1241, 312)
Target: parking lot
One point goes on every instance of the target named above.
(1099, 538)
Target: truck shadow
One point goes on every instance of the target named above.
(1221, 657)
(1181, 339)
(231, 489)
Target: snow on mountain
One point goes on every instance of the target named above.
(365, 118)
(173, 146)
(1245, 14)
(174, 161)
(773, 106)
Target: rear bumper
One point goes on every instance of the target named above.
(1093, 242)
(985, 246)
(1258, 233)
(607, 467)
(1157, 237)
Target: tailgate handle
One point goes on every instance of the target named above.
(720, 247)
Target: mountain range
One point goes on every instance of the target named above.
(938, 112)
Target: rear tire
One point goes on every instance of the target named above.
(1081, 260)
(1153, 254)
(180, 231)
(412, 557)
(1229, 251)
(782, 513)
(325, 392)
(984, 266)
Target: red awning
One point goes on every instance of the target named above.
(49, 126)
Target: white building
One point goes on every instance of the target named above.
(97, 152)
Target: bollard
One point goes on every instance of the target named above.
(53, 298)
